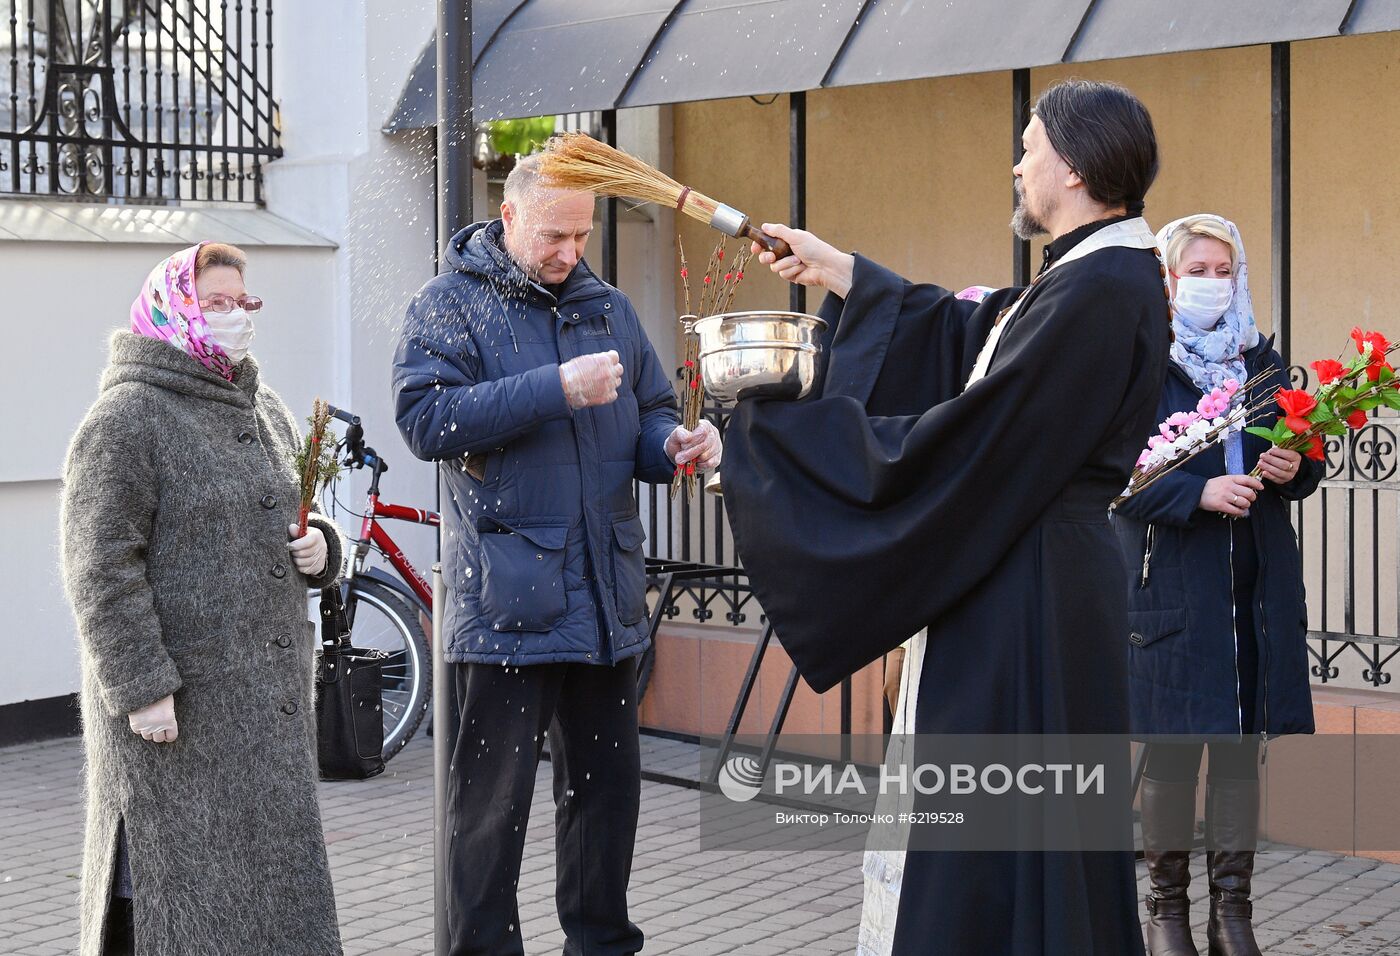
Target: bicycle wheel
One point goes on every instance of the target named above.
(389, 621)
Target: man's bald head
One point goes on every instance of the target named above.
(546, 229)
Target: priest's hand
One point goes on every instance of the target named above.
(1280, 465)
(702, 446)
(813, 262)
(1231, 494)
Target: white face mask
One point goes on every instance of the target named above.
(1201, 302)
(233, 331)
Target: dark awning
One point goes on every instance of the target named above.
(1117, 28)
(564, 56)
(908, 41)
(537, 57)
(1373, 16)
(719, 48)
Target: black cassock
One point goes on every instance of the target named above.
(893, 500)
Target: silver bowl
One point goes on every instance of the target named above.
(759, 353)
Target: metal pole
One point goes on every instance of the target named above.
(1020, 116)
(609, 131)
(797, 182)
(1281, 195)
(444, 716)
(456, 131)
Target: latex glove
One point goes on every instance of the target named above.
(702, 446)
(308, 551)
(591, 379)
(813, 261)
(156, 722)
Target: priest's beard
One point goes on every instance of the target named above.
(1026, 224)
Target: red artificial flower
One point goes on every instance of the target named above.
(685, 273)
(1297, 405)
(729, 277)
(695, 383)
(1295, 401)
(739, 276)
(690, 468)
(689, 363)
(1357, 419)
(1378, 344)
(1373, 371)
(707, 280)
(721, 255)
(1328, 370)
(1314, 450)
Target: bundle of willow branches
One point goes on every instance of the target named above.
(717, 292)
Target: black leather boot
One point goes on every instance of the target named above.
(1168, 822)
(1232, 829)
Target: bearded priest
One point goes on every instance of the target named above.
(951, 476)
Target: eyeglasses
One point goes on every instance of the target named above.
(226, 303)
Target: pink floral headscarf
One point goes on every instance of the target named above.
(168, 309)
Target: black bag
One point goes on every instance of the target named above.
(349, 707)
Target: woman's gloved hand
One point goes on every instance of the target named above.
(156, 722)
(591, 379)
(308, 551)
(702, 446)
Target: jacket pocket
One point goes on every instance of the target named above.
(629, 570)
(1148, 627)
(522, 576)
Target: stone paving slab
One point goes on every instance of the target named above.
(687, 900)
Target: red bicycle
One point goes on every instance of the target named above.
(392, 614)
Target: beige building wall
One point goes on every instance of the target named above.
(1211, 113)
(1346, 194)
(915, 175)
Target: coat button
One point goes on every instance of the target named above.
(283, 640)
(289, 708)
(269, 501)
(1136, 638)
(245, 438)
(279, 571)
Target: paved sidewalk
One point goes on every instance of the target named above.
(686, 900)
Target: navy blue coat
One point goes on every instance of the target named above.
(1182, 647)
(542, 550)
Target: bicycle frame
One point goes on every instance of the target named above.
(360, 455)
(372, 532)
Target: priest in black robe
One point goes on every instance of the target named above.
(919, 487)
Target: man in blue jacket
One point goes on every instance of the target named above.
(532, 380)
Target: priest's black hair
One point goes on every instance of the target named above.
(1105, 135)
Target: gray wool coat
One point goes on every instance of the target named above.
(178, 491)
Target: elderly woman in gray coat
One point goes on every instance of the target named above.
(189, 587)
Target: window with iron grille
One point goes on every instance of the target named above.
(153, 101)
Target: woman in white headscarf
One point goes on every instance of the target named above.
(1218, 621)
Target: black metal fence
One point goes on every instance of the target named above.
(138, 100)
(1348, 533)
(694, 528)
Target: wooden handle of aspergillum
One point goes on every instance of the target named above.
(779, 248)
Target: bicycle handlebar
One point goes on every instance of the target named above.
(349, 418)
(355, 447)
